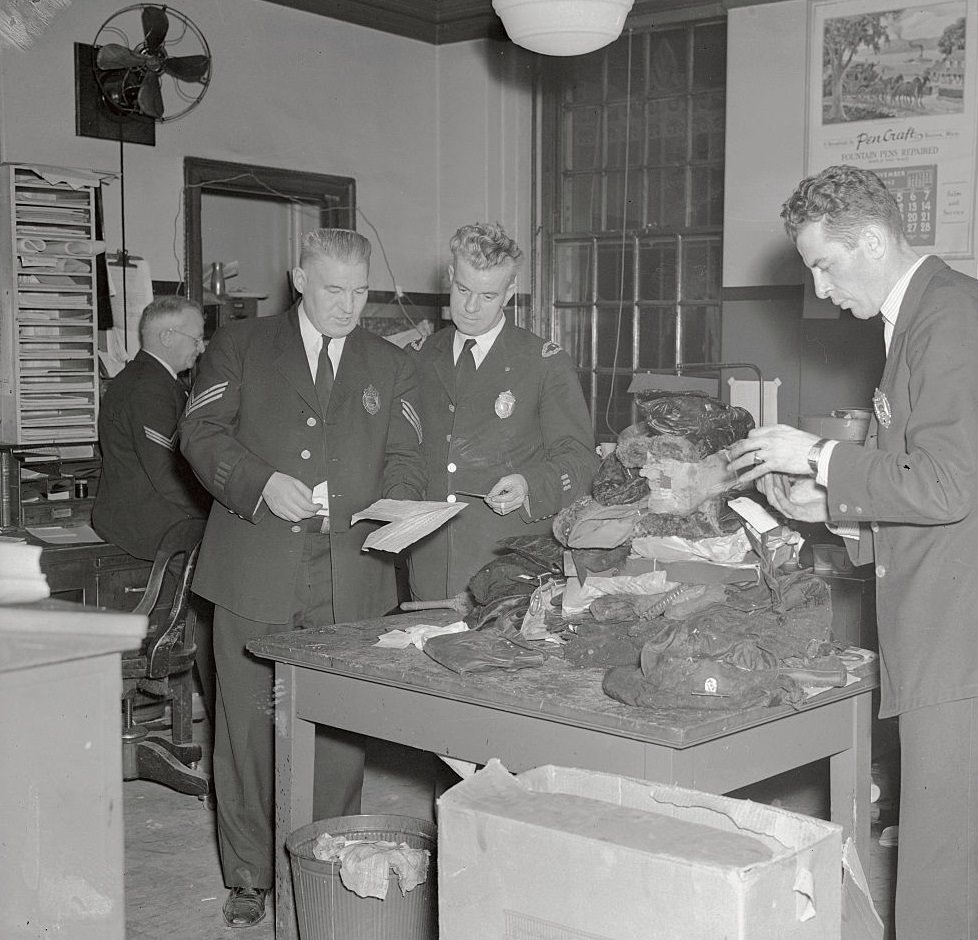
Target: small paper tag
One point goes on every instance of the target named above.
(754, 514)
(320, 494)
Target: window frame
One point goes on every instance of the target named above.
(610, 415)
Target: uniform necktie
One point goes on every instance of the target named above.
(324, 375)
(465, 366)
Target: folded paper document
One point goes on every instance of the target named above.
(409, 521)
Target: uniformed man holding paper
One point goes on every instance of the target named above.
(295, 423)
(506, 427)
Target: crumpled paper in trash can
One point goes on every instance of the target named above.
(365, 866)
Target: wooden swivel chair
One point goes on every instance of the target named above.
(163, 667)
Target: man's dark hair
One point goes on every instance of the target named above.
(845, 199)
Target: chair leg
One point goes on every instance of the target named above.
(187, 754)
(156, 762)
(182, 707)
(132, 735)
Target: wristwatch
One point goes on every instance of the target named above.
(814, 454)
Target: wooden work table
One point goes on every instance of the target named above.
(551, 714)
(61, 866)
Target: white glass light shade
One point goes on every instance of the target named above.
(562, 27)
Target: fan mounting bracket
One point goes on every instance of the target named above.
(94, 118)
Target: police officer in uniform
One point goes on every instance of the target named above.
(507, 429)
(146, 485)
(295, 422)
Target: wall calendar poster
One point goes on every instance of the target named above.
(893, 90)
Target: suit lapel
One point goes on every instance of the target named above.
(909, 308)
(291, 361)
(444, 360)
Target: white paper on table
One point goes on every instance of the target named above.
(416, 635)
(65, 534)
(409, 519)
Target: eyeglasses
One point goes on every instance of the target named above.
(198, 340)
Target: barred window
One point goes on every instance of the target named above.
(632, 196)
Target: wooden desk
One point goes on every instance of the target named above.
(97, 574)
(61, 864)
(554, 714)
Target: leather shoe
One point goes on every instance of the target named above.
(245, 907)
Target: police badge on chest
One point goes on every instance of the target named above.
(371, 400)
(505, 403)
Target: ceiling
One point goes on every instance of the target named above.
(445, 21)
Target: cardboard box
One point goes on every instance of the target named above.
(556, 853)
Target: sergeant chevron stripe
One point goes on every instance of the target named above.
(412, 417)
(169, 443)
(205, 397)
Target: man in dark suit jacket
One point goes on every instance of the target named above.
(909, 497)
(295, 423)
(507, 429)
(146, 485)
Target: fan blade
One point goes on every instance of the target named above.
(113, 56)
(150, 97)
(187, 68)
(155, 26)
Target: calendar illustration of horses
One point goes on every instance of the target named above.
(904, 63)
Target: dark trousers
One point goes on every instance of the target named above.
(244, 735)
(937, 859)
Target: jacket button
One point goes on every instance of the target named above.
(874, 526)
(448, 437)
(843, 507)
(859, 510)
(880, 571)
(305, 455)
(297, 529)
(451, 409)
(451, 468)
(450, 498)
(311, 422)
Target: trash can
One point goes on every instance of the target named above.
(327, 910)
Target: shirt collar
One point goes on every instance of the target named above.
(890, 309)
(163, 363)
(483, 342)
(312, 339)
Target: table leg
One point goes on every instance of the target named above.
(295, 744)
(849, 774)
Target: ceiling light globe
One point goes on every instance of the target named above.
(563, 27)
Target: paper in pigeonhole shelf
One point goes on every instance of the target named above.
(409, 520)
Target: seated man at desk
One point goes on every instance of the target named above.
(146, 485)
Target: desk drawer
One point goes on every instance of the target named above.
(57, 512)
(120, 583)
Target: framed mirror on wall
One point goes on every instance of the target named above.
(249, 219)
